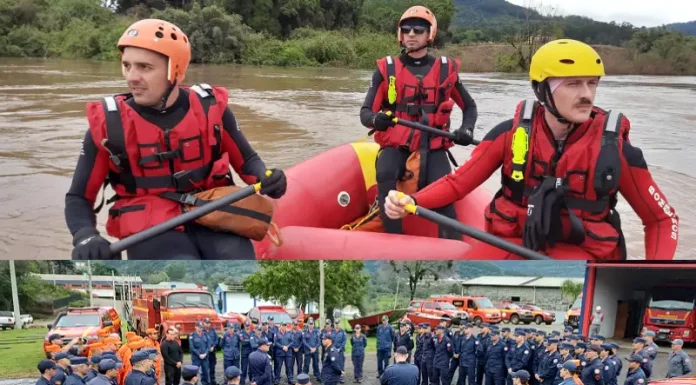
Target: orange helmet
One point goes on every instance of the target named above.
(162, 37)
(419, 12)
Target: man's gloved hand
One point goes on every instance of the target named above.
(274, 185)
(90, 245)
(464, 136)
(382, 121)
(537, 225)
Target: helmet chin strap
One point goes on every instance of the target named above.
(545, 96)
(165, 97)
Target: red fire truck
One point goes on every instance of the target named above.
(670, 312)
(181, 308)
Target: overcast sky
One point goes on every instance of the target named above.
(649, 13)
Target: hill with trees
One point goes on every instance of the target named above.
(688, 28)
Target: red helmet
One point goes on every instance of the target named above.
(162, 37)
(419, 12)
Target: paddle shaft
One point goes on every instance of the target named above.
(173, 223)
(480, 235)
(431, 130)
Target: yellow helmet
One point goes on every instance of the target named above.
(565, 58)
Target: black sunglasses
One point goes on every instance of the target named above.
(418, 30)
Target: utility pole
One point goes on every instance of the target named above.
(89, 276)
(15, 296)
(113, 286)
(321, 294)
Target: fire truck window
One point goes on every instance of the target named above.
(106, 317)
(430, 305)
(458, 303)
(254, 314)
(415, 305)
(471, 305)
(515, 299)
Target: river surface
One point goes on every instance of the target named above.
(289, 115)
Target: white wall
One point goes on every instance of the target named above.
(615, 284)
(242, 302)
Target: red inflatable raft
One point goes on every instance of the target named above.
(337, 187)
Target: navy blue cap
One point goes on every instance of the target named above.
(573, 337)
(598, 337)
(505, 329)
(567, 346)
(264, 341)
(270, 318)
(152, 352)
(606, 346)
(555, 333)
(246, 323)
(232, 372)
(357, 326)
(568, 329)
(61, 356)
(570, 366)
(96, 358)
(541, 333)
(303, 378)
(108, 364)
(402, 350)
(519, 333)
(553, 340)
(521, 374)
(422, 325)
(189, 371)
(495, 332)
(635, 358)
(614, 345)
(327, 337)
(531, 330)
(44, 365)
(640, 340)
(199, 324)
(581, 345)
(594, 348)
(139, 356)
(495, 327)
(206, 320)
(55, 336)
(79, 361)
(485, 325)
(439, 327)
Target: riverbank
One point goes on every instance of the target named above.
(617, 60)
(94, 34)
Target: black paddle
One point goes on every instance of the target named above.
(428, 129)
(474, 232)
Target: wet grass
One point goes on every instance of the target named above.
(20, 352)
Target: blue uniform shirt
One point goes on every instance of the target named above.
(311, 340)
(385, 337)
(358, 345)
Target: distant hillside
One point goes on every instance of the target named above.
(485, 13)
(688, 28)
(212, 272)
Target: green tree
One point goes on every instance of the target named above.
(157, 278)
(571, 289)
(279, 281)
(102, 269)
(418, 270)
(176, 271)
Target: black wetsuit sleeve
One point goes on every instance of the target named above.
(372, 100)
(245, 161)
(90, 173)
(469, 112)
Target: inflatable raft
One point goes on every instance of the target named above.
(337, 187)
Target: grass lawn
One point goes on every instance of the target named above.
(20, 352)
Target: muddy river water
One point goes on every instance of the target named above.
(290, 115)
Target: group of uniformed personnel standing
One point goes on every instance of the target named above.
(498, 356)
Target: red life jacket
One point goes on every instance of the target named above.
(414, 97)
(148, 163)
(588, 218)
